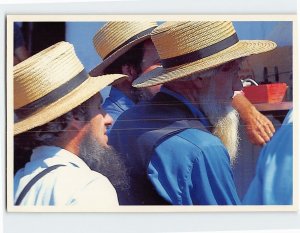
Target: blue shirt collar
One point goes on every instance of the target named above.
(119, 97)
(196, 112)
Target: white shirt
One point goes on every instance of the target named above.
(73, 184)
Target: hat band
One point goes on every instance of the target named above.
(201, 53)
(135, 37)
(52, 96)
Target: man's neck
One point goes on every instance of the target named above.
(189, 89)
(70, 142)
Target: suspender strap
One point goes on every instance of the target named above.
(148, 141)
(34, 180)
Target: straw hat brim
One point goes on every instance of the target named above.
(98, 70)
(241, 49)
(86, 90)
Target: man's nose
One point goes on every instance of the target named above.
(108, 120)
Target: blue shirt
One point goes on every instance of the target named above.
(273, 181)
(189, 167)
(116, 103)
(193, 166)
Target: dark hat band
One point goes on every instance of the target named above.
(135, 37)
(201, 53)
(52, 96)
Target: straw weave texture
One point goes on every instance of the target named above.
(44, 72)
(190, 36)
(113, 38)
(89, 88)
(113, 34)
(173, 39)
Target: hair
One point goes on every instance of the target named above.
(46, 134)
(132, 57)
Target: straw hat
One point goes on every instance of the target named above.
(116, 38)
(50, 84)
(189, 47)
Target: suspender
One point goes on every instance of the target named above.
(151, 139)
(34, 180)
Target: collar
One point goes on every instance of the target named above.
(195, 111)
(120, 98)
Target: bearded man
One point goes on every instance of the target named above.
(58, 118)
(180, 145)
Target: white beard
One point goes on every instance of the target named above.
(225, 121)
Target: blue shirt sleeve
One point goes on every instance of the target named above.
(193, 168)
(273, 181)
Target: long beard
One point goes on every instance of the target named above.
(105, 161)
(225, 121)
(226, 128)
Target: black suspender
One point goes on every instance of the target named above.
(149, 140)
(34, 180)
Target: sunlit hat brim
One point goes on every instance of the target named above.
(47, 113)
(243, 48)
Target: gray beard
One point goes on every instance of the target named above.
(105, 161)
(225, 121)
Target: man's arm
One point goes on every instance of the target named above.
(259, 128)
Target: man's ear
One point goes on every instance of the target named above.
(199, 82)
(75, 122)
(130, 71)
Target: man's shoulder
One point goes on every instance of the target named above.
(197, 138)
(192, 146)
(135, 114)
(195, 143)
(76, 179)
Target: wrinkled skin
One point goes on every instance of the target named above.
(258, 127)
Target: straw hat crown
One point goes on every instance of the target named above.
(173, 39)
(114, 39)
(115, 34)
(44, 72)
